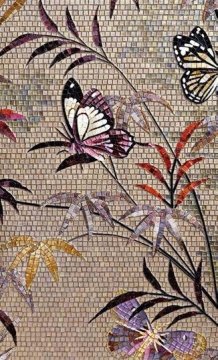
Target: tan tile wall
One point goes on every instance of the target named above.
(141, 45)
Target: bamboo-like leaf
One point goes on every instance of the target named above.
(197, 284)
(62, 197)
(8, 324)
(209, 8)
(147, 304)
(164, 155)
(168, 310)
(6, 196)
(150, 190)
(96, 35)
(80, 61)
(138, 210)
(112, 7)
(159, 227)
(16, 6)
(144, 96)
(153, 170)
(10, 115)
(21, 255)
(189, 218)
(49, 260)
(32, 267)
(144, 224)
(46, 20)
(185, 136)
(119, 300)
(103, 210)
(6, 354)
(13, 183)
(204, 141)
(72, 212)
(172, 279)
(19, 284)
(173, 229)
(51, 45)
(70, 24)
(88, 220)
(140, 118)
(184, 316)
(65, 54)
(6, 131)
(20, 40)
(150, 277)
(187, 189)
(20, 240)
(183, 169)
(62, 245)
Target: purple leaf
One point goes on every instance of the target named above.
(75, 160)
(13, 183)
(10, 115)
(172, 279)
(20, 40)
(46, 47)
(70, 24)
(6, 354)
(96, 35)
(7, 322)
(197, 283)
(47, 21)
(64, 55)
(168, 310)
(183, 316)
(137, 4)
(150, 277)
(150, 303)
(48, 144)
(82, 60)
(4, 80)
(6, 196)
(6, 131)
(19, 284)
(119, 300)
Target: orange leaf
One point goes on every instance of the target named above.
(187, 189)
(185, 136)
(153, 170)
(164, 154)
(186, 166)
(150, 190)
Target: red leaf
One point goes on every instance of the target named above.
(96, 35)
(185, 136)
(6, 131)
(20, 40)
(153, 170)
(186, 166)
(164, 154)
(7, 115)
(82, 60)
(70, 24)
(47, 21)
(65, 54)
(187, 189)
(150, 190)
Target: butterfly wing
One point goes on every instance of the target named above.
(123, 340)
(185, 345)
(71, 98)
(199, 85)
(123, 311)
(195, 54)
(195, 51)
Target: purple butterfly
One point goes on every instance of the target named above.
(137, 338)
(89, 128)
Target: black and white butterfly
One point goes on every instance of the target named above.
(88, 128)
(195, 54)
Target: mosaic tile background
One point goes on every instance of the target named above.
(141, 45)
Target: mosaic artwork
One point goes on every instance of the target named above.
(108, 208)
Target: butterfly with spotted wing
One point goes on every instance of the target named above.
(88, 129)
(195, 54)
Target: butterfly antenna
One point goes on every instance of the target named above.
(61, 151)
(67, 131)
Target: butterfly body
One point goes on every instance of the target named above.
(195, 55)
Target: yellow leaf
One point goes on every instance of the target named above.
(62, 245)
(17, 241)
(49, 260)
(32, 267)
(20, 256)
(2, 2)
(17, 5)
